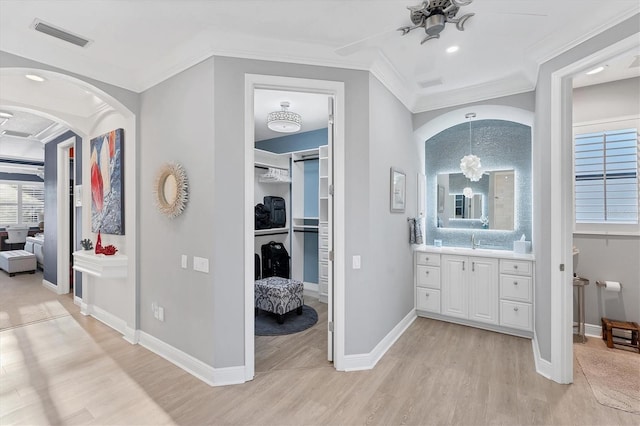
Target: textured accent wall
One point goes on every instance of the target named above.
(501, 145)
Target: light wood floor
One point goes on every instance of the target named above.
(74, 370)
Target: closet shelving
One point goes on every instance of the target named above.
(323, 223)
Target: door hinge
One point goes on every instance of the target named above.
(331, 255)
(562, 267)
(331, 326)
(330, 189)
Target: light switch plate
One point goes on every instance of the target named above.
(184, 261)
(200, 264)
(356, 263)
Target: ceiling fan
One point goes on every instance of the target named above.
(432, 15)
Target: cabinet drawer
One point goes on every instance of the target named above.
(514, 287)
(516, 315)
(428, 276)
(517, 267)
(428, 300)
(427, 259)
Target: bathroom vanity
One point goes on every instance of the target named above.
(489, 289)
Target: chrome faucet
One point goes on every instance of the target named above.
(474, 243)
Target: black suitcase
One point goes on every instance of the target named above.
(257, 266)
(275, 260)
(276, 205)
(262, 217)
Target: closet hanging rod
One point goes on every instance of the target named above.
(260, 166)
(306, 159)
(272, 233)
(312, 231)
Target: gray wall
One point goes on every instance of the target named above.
(501, 145)
(542, 169)
(609, 100)
(228, 224)
(51, 232)
(381, 294)
(177, 125)
(608, 257)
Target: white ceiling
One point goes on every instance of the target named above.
(137, 44)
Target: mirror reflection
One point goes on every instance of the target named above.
(486, 204)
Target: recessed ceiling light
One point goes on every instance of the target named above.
(595, 71)
(452, 49)
(4, 114)
(35, 77)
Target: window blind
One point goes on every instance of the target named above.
(606, 177)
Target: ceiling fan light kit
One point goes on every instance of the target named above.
(432, 15)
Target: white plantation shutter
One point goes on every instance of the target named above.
(8, 203)
(20, 203)
(606, 177)
(32, 202)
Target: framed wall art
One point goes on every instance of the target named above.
(107, 183)
(398, 191)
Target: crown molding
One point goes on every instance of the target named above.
(388, 75)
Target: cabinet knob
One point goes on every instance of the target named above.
(426, 295)
(426, 272)
(515, 266)
(515, 309)
(515, 283)
(426, 259)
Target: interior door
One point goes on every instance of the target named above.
(330, 292)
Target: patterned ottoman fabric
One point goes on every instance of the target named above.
(279, 295)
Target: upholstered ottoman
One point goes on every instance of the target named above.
(14, 261)
(279, 296)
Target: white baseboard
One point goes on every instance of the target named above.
(593, 330)
(543, 367)
(369, 360)
(310, 290)
(131, 335)
(51, 286)
(77, 300)
(108, 319)
(206, 373)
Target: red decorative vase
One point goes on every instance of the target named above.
(99, 248)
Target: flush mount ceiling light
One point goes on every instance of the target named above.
(35, 77)
(432, 15)
(284, 121)
(470, 164)
(595, 71)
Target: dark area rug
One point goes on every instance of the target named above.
(267, 323)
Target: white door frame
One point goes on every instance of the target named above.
(562, 215)
(332, 88)
(64, 216)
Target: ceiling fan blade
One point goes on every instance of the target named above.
(365, 43)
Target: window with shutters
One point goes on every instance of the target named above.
(606, 176)
(21, 203)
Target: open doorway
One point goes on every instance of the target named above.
(315, 225)
(292, 165)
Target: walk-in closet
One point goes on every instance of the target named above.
(294, 166)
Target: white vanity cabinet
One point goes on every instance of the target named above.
(516, 294)
(488, 289)
(470, 288)
(428, 282)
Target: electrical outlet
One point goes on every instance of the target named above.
(160, 313)
(154, 309)
(200, 264)
(356, 263)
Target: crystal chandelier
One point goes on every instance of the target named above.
(284, 121)
(470, 164)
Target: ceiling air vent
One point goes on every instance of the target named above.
(59, 33)
(15, 134)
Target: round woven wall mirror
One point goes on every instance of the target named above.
(171, 190)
